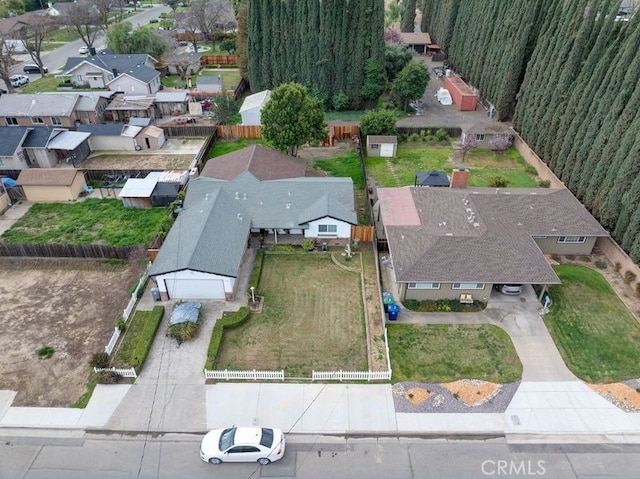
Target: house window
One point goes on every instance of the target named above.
(11, 121)
(37, 120)
(467, 286)
(424, 285)
(79, 78)
(479, 136)
(56, 121)
(327, 229)
(572, 239)
(375, 146)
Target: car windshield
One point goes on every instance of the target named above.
(267, 437)
(226, 439)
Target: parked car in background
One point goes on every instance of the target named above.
(83, 50)
(33, 68)
(18, 80)
(514, 289)
(242, 444)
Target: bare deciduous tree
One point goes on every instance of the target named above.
(84, 18)
(7, 50)
(34, 34)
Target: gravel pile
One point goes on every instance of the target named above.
(443, 401)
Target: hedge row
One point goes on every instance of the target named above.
(226, 322)
(146, 337)
(254, 279)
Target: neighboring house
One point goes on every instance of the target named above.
(486, 132)
(171, 103)
(202, 254)
(112, 137)
(124, 107)
(42, 147)
(189, 61)
(39, 109)
(209, 85)
(445, 242)
(251, 108)
(52, 184)
(131, 74)
(380, 145)
(91, 107)
(5, 201)
(417, 41)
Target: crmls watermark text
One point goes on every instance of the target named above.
(513, 468)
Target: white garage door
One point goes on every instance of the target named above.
(386, 150)
(195, 288)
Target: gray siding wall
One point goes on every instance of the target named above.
(445, 292)
(550, 245)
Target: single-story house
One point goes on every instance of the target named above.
(124, 107)
(112, 136)
(385, 146)
(431, 178)
(252, 107)
(417, 41)
(202, 254)
(490, 135)
(52, 184)
(41, 109)
(446, 242)
(12, 156)
(132, 74)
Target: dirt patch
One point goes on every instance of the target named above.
(138, 162)
(623, 396)
(418, 395)
(472, 392)
(69, 305)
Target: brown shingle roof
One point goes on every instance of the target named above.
(261, 162)
(47, 177)
(481, 235)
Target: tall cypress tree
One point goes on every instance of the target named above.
(408, 16)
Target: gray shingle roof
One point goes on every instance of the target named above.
(38, 137)
(108, 129)
(38, 104)
(480, 235)
(133, 65)
(208, 236)
(142, 73)
(12, 137)
(263, 163)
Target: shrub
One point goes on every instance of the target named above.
(442, 135)
(340, 101)
(617, 266)
(378, 122)
(586, 259)
(148, 333)
(121, 325)
(45, 352)
(183, 331)
(254, 279)
(107, 377)
(601, 265)
(414, 137)
(308, 244)
(153, 20)
(544, 184)
(498, 182)
(100, 360)
(629, 277)
(530, 169)
(229, 322)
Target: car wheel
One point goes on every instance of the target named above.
(263, 461)
(215, 461)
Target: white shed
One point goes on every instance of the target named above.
(252, 107)
(385, 146)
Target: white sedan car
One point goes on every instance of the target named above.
(242, 444)
(18, 80)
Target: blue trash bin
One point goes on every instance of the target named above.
(394, 309)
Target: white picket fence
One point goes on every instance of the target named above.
(251, 374)
(112, 342)
(126, 373)
(350, 375)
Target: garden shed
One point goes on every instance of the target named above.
(136, 192)
(251, 108)
(151, 138)
(51, 184)
(490, 135)
(385, 146)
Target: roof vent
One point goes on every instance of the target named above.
(239, 216)
(288, 205)
(497, 190)
(237, 195)
(244, 196)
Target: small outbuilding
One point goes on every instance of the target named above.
(385, 146)
(151, 138)
(251, 108)
(52, 184)
(432, 178)
(464, 98)
(490, 135)
(136, 192)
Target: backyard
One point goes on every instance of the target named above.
(312, 319)
(484, 166)
(444, 353)
(70, 306)
(598, 338)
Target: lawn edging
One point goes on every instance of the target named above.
(225, 322)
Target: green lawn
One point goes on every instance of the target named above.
(138, 338)
(63, 35)
(341, 166)
(94, 221)
(443, 353)
(599, 339)
(45, 84)
(222, 147)
(483, 166)
(312, 318)
(230, 78)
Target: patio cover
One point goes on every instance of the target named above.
(67, 140)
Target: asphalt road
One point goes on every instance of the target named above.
(114, 456)
(57, 58)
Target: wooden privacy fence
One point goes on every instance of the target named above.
(251, 374)
(342, 132)
(187, 131)
(351, 375)
(239, 131)
(363, 233)
(219, 60)
(70, 251)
